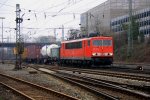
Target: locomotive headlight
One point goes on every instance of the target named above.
(94, 54)
(97, 54)
(110, 54)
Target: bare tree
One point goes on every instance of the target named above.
(45, 39)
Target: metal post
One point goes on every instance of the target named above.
(10, 37)
(87, 26)
(130, 29)
(55, 35)
(62, 32)
(2, 41)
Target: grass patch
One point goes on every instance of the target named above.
(139, 54)
(1, 98)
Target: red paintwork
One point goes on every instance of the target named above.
(86, 51)
(103, 49)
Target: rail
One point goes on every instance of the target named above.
(32, 91)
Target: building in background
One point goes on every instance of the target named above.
(99, 18)
(73, 33)
(142, 17)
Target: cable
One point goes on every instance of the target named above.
(3, 3)
(7, 5)
(66, 7)
(58, 6)
(54, 6)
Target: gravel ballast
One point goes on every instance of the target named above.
(113, 79)
(48, 81)
(6, 94)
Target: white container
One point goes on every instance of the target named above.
(46, 50)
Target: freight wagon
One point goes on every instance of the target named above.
(50, 53)
(6, 53)
(32, 54)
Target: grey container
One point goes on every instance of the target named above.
(55, 52)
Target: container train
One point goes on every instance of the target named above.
(86, 51)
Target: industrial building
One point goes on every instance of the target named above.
(141, 16)
(100, 18)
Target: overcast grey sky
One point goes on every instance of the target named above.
(43, 14)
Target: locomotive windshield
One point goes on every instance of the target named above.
(107, 42)
(102, 42)
(97, 42)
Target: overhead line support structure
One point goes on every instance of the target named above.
(19, 39)
(2, 41)
(130, 32)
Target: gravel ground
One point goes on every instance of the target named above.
(62, 86)
(47, 81)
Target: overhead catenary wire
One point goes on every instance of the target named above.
(3, 3)
(48, 13)
(35, 14)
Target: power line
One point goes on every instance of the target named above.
(3, 3)
(54, 6)
(7, 5)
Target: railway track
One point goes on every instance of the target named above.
(107, 73)
(106, 90)
(32, 91)
(119, 91)
(126, 69)
(120, 67)
(101, 95)
(123, 75)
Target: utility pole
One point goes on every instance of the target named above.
(2, 41)
(130, 30)
(55, 32)
(87, 27)
(19, 40)
(62, 32)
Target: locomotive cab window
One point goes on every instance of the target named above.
(73, 45)
(107, 42)
(97, 42)
(102, 42)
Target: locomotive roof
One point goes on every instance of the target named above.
(77, 40)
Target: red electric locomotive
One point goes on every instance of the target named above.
(87, 51)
